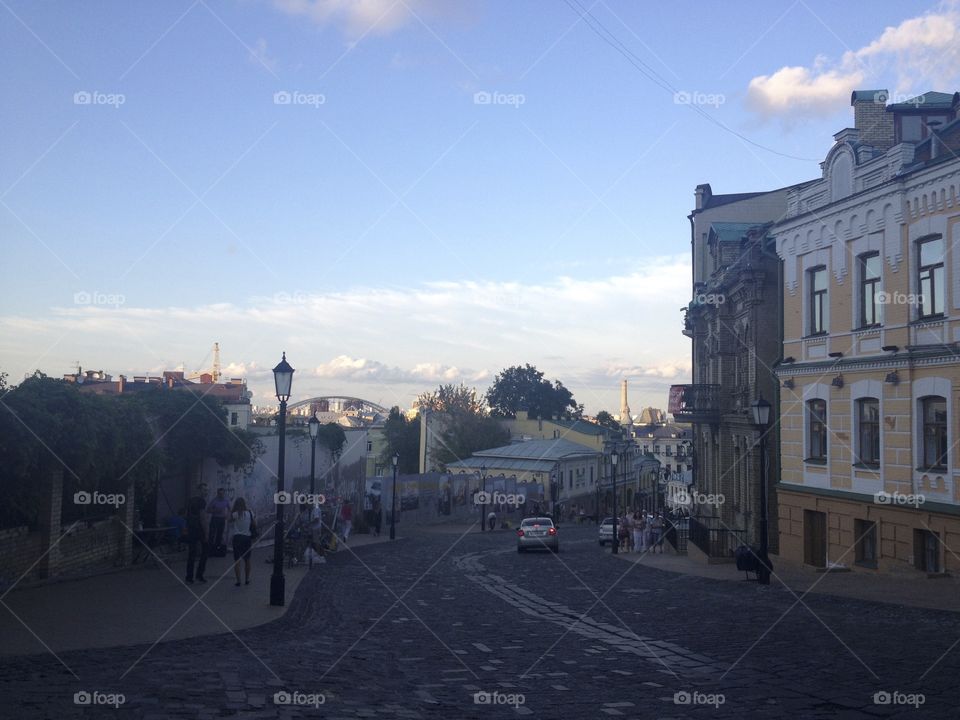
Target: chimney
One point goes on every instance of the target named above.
(871, 118)
(703, 193)
(120, 383)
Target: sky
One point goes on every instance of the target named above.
(403, 193)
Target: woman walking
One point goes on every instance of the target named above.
(657, 533)
(197, 533)
(637, 532)
(242, 521)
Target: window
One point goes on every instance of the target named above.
(591, 474)
(866, 539)
(933, 412)
(234, 419)
(926, 551)
(869, 287)
(817, 429)
(369, 445)
(868, 431)
(931, 276)
(818, 300)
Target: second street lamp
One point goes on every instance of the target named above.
(761, 418)
(314, 426)
(283, 380)
(393, 499)
(615, 542)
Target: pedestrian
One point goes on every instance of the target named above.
(648, 533)
(658, 533)
(637, 532)
(197, 534)
(378, 519)
(491, 519)
(219, 510)
(346, 520)
(582, 515)
(243, 524)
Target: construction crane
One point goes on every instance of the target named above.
(214, 371)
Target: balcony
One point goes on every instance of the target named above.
(695, 403)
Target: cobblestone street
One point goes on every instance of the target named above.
(418, 627)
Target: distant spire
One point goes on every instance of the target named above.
(625, 417)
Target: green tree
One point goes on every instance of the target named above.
(517, 388)
(605, 419)
(333, 438)
(403, 439)
(467, 425)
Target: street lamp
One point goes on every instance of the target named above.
(314, 425)
(282, 379)
(761, 418)
(393, 499)
(483, 496)
(616, 537)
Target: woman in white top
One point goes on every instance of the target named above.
(242, 519)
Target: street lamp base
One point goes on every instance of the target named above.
(278, 585)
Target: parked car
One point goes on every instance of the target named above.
(606, 531)
(537, 532)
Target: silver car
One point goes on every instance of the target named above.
(537, 532)
(606, 531)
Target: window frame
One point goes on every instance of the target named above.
(941, 431)
(814, 295)
(875, 284)
(934, 286)
(817, 427)
(863, 426)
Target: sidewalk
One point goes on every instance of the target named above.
(141, 604)
(910, 590)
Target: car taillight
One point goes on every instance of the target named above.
(553, 531)
(519, 533)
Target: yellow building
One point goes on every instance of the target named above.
(870, 376)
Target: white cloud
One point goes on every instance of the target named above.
(921, 53)
(260, 56)
(357, 17)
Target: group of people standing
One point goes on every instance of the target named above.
(208, 524)
(641, 532)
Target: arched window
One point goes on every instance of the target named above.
(933, 414)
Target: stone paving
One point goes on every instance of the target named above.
(442, 626)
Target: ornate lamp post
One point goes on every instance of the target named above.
(483, 505)
(761, 418)
(282, 379)
(314, 425)
(616, 537)
(393, 499)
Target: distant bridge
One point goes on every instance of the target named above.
(341, 402)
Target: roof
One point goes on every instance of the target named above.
(582, 426)
(475, 463)
(929, 100)
(869, 95)
(550, 449)
(731, 231)
(717, 200)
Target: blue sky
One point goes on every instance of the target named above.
(384, 228)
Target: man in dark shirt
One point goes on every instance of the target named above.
(219, 510)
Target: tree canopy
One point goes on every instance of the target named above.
(518, 389)
(605, 419)
(403, 439)
(467, 425)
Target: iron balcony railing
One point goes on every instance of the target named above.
(695, 403)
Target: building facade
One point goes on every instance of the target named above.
(734, 321)
(870, 403)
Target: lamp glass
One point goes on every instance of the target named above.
(396, 459)
(314, 425)
(761, 412)
(613, 459)
(283, 379)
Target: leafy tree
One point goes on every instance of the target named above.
(333, 438)
(403, 439)
(605, 419)
(524, 388)
(467, 425)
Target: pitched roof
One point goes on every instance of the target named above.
(550, 449)
(932, 99)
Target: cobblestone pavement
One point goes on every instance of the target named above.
(416, 629)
